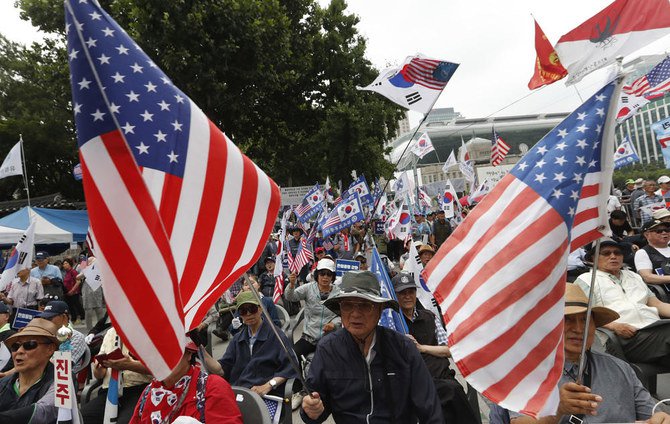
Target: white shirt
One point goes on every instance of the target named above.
(627, 296)
(642, 260)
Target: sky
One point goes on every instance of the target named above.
(493, 41)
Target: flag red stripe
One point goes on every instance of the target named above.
(585, 215)
(496, 348)
(585, 238)
(123, 262)
(219, 288)
(539, 353)
(540, 398)
(208, 215)
(169, 201)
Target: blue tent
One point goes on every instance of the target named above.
(54, 226)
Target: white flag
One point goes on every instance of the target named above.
(12, 163)
(422, 146)
(416, 84)
(21, 256)
(400, 224)
(483, 189)
(451, 161)
(447, 200)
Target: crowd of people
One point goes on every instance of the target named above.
(353, 368)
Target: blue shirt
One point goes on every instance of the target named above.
(50, 271)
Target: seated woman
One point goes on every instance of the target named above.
(319, 320)
(254, 358)
(188, 391)
(27, 395)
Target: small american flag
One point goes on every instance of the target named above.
(302, 257)
(500, 277)
(279, 287)
(169, 196)
(499, 149)
(430, 73)
(653, 84)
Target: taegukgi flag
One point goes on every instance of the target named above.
(625, 154)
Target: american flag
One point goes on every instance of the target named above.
(430, 73)
(499, 149)
(302, 257)
(653, 84)
(178, 212)
(500, 277)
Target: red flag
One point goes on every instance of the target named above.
(620, 29)
(178, 213)
(500, 277)
(548, 68)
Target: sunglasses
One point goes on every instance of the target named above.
(247, 309)
(661, 230)
(611, 252)
(29, 345)
(325, 272)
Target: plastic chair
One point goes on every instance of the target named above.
(90, 391)
(646, 372)
(285, 319)
(251, 406)
(83, 362)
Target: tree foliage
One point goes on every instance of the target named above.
(278, 76)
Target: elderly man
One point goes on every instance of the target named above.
(647, 199)
(653, 260)
(441, 230)
(611, 391)
(426, 253)
(364, 372)
(49, 275)
(58, 312)
(26, 291)
(644, 338)
(254, 358)
(27, 396)
(426, 332)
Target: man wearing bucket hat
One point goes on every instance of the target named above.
(365, 372)
(611, 392)
(27, 396)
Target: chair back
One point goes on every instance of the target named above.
(252, 407)
(285, 319)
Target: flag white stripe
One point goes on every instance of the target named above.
(121, 207)
(154, 181)
(195, 172)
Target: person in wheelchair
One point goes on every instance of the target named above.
(653, 260)
(319, 320)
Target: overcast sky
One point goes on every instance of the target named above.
(493, 41)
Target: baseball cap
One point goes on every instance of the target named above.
(54, 308)
(663, 179)
(41, 255)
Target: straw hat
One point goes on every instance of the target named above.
(576, 302)
(37, 327)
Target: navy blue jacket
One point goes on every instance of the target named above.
(241, 368)
(339, 373)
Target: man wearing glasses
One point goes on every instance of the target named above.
(365, 372)
(653, 260)
(643, 336)
(254, 358)
(27, 396)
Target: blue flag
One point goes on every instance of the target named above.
(344, 215)
(360, 186)
(390, 318)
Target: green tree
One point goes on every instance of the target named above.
(277, 76)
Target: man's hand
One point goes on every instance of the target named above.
(417, 344)
(577, 399)
(659, 418)
(312, 405)
(328, 327)
(262, 390)
(201, 326)
(624, 330)
(124, 363)
(46, 281)
(291, 278)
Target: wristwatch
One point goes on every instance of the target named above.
(273, 383)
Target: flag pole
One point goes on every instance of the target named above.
(25, 170)
(609, 136)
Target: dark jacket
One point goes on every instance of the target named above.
(241, 368)
(402, 389)
(22, 410)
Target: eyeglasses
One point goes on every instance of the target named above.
(363, 307)
(247, 309)
(611, 252)
(661, 230)
(29, 345)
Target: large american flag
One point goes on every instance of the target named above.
(653, 84)
(177, 211)
(500, 277)
(499, 149)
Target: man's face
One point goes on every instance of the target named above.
(425, 257)
(296, 234)
(320, 254)
(610, 259)
(649, 187)
(269, 266)
(24, 273)
(60, 320)
(440, 217)
(630, 186)
(359, 316)
(27, 360)
(418, 218)
(250, 314)
(573, 333)
(659, 236)
(4, 319)
(407, 298)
